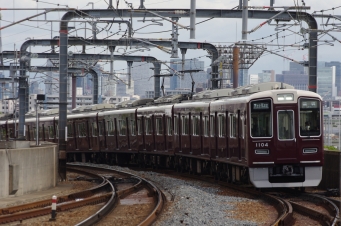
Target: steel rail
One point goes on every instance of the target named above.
(154, 190)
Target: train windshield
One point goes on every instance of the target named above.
(310, 117)
(261, 118)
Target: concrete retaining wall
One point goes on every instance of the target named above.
(27, 170)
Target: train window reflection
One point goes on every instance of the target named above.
(139, 126)
(185, 125)
(212, 125)
(233, 123)
(176, 127)
(122, 127)
(206, 126)
(94, 129)
(169, 125)
(148, 124)
(69, 130)
(286, 125)
(159, 126)
(110, 127)
(222, 125)
(196, 125)
(261, 119)
(101, 128)
(132, 127)
(309, 117)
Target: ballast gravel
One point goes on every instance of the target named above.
(193, 202)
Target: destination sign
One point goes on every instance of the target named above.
(260, 105)
(309, 104)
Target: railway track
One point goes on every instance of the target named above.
(112, 187)
(291, 206)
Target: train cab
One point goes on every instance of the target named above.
(286, 143)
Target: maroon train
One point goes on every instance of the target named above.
(268, 134)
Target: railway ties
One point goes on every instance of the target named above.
(96, 204)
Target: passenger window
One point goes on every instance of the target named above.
(101, 128)
(148, 125)
(185, 125)
(169, 126)
(2, 134)
(222, 125)
(176, 125)
(196, 125)
(159, 126)
(110, 128)
(34, 133)
(206, 121)
(132, 127)
(233, 125)
(94, 129)
(51, 132)
(57, 131)
(81, 129)
(139, 126)
(69, 130)
(122, 127)
(212, 125)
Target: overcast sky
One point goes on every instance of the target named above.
(216, 31)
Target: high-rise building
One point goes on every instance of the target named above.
(185, 82)
(337, 66)
(326, 82)
(266, 76)
(142, 74)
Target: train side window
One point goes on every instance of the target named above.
(310, 118)
(185, 125)
(51, 132)
(110, 126)
(94, 129)
(69, 130)
(212, 125)
(206, 121)
(148, 124)
(101, 128)
(57, 131)
(169, 126)
(159, 126)
(233, 125)
(80, 129)
(196, 125)
(222, 125)
(122, 127)
(139, 126)
(3, 133)
(176, 125)
(34, 132)
(132, 127)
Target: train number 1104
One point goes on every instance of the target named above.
(261, 145)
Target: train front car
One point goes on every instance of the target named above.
(285, 138)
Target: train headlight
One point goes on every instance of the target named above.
(285, 97)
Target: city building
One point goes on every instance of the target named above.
(266, 76)
(142, 75)
(253, 79)
(185, 82)
(326, 81)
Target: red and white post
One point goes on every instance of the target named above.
(54, 208)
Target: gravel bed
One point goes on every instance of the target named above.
(201, 203)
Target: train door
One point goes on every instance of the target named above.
(286, 142)
(140, 136)
(213, 140)
(111, 140)
(169, 133)
(205, 135)
(196, 142)
(177, 137)
(101, 134)
(222, 136)
(185, 138)
(160, 133)
(149, 133)
(82, 139)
